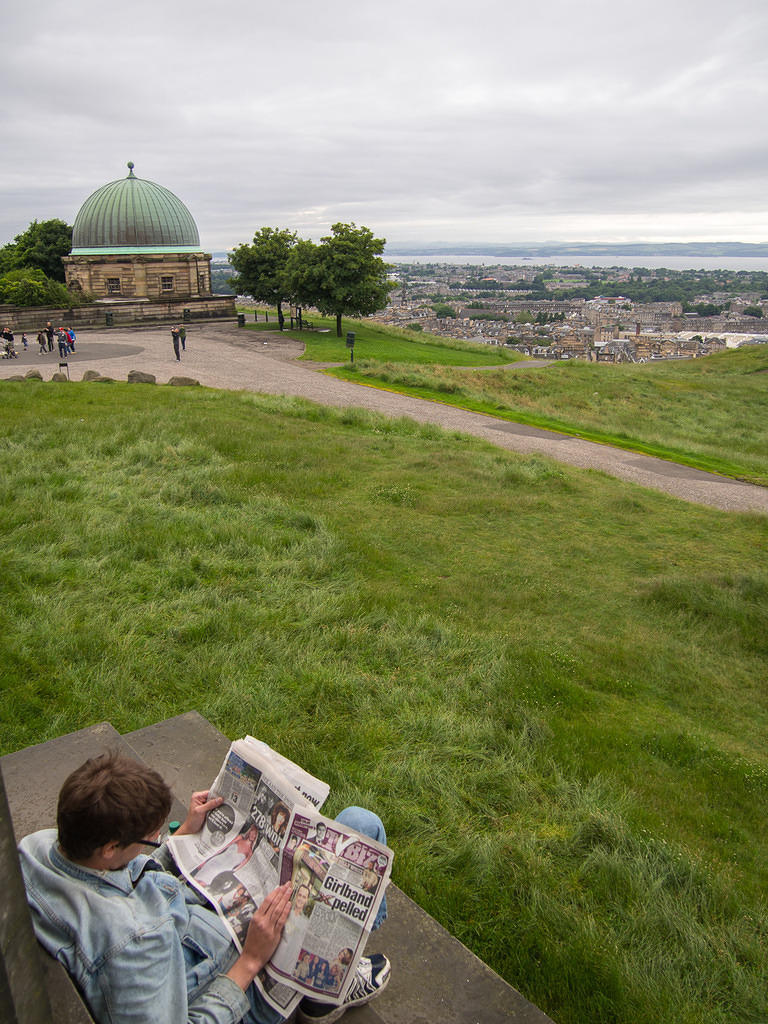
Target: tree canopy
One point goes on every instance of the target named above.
(342, 276)
(30, 287)
(262, 267)
(40, 247)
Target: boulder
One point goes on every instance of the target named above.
(59, 376)
(184, 382)
(16, 376)
(103, 380)
(33, 374)
(140, 377)
(91, 375)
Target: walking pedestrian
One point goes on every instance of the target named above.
(183, 337)
(42, 341)
(49, 332)
(175, 340)
(63, 343)
(24, 341)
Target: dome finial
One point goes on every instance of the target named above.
(130, 169)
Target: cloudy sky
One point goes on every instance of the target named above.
(502, 121)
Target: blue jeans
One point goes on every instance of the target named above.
(369, 824)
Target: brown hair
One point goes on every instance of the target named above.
(110, 798)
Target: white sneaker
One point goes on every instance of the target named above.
(371, 979)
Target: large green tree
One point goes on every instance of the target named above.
(40, 247)
(30, 287)
(262, 267)
(342, 276)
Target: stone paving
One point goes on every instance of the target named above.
(221, 355)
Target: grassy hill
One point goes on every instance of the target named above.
(382, 344)
(550, 684)
(708, 413)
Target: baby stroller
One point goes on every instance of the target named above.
(9, 352)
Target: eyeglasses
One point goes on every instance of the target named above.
(148, 842)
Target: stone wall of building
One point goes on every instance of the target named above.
(118, 313)
(162, 276)
(722, 324)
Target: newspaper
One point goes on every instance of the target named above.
(269, 830)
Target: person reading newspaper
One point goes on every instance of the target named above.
(141, 944)
(267, 831)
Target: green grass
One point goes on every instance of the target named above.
(551, 684)
(388, 344)
(709, 413)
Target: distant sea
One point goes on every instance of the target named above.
(614, 259)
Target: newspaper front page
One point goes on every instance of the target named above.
(268, 831)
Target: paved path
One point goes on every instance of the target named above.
(221, 355)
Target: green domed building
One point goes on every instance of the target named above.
(133, 239)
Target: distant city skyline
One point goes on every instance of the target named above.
(430, 123)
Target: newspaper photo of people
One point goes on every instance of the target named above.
(269, 831)
(234, 855)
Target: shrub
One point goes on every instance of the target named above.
(30, 287)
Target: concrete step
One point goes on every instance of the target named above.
(434, 978)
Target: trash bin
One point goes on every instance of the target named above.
(241, 319)
(187, 316)
(110, 319)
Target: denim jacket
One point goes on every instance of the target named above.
(139, 943)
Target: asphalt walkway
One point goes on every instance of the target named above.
(221, 355)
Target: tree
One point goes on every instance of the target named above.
(262, 267)
(30, 287)
(41, 247)
(753, 311)
(342, 276)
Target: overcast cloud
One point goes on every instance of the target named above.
(427, 121)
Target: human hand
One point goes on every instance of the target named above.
(199, 805)
(264, 933)
(266, 927)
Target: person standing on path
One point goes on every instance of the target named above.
(49, 332)
(183, 337)
(63, 343)
(175, 340)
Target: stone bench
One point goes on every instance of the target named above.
(434, 979)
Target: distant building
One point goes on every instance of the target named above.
(133, 239)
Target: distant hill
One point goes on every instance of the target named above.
(584, 249)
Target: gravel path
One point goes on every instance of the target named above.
(221, 355)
